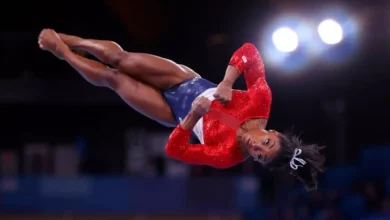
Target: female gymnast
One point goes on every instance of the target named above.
(230, 124)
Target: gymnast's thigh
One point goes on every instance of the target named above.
(143, 98)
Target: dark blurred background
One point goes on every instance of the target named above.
(71, 150)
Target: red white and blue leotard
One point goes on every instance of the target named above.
(220, 148)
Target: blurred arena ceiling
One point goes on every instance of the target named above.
(168, 27)
(147, 20)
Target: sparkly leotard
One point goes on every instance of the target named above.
(220, 148)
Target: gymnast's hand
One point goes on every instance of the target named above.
(201, 106)
(224, 92)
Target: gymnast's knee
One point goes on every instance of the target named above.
(109, 78)
(128, 62)
(115, 57)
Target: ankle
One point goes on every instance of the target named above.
(71, 41)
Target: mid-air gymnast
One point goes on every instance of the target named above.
(230, 124)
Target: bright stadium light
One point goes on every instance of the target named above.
(285, 40)
(330, 32)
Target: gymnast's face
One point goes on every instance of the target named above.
(261, 144)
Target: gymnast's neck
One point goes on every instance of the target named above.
(249, 125)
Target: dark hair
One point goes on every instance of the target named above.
(310, 153)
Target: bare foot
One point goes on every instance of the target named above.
(50, 41)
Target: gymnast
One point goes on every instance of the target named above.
(230, 124)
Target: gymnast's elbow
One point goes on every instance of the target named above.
(249, 46)
(172, 151)
(221, 166)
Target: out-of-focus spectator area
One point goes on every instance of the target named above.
(353, 191)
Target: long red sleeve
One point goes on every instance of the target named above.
(248, 60)
(200, 154)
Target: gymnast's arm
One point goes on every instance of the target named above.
(245, 60)
(199, 154)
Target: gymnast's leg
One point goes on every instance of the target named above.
(143, 98)
(156, 71)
